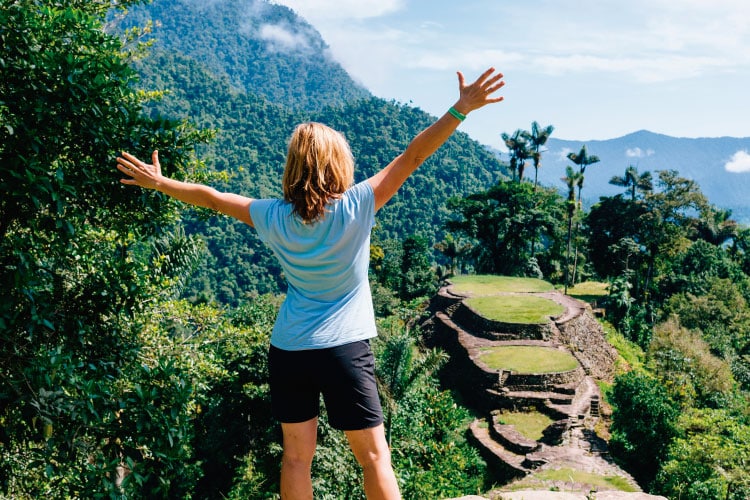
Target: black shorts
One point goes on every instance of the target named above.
(344, 375)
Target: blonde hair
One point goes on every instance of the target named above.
(319, 168)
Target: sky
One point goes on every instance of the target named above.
(594, 69)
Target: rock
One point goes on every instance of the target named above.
(541, 495)
(621, 495)
(559, 495)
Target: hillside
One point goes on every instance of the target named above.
(209, 79)
(261, 48)
(702, 160)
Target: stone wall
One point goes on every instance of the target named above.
(542, 381)
(461, 372)
(585, 338)
(497, 330)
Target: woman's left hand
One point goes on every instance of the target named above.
(480, 92)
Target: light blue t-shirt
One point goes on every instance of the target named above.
(325, 263)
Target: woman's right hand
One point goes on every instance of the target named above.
(140, 173)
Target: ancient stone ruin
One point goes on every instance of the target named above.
(571, 399)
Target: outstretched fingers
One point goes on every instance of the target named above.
(134, 168)
(493, 84)
(480, 92)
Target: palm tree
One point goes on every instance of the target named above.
(538, 138)
(399, 370)
(583, 160)
(572, 180)
(716, 227)
(519, 152)
(454, 250)
(633, 181)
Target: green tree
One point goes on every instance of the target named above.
(582, 159)
(537, 138)
(669, 219)
(633, 181)
(695, 268)
(418, 279)
(401, 368)
(646, 234)
(80, 258)
(502, 222)
(709, 462)
(687, 368)
(716, 226)
(455, 250)
(722, 314)
(616, 237)
(643, 424)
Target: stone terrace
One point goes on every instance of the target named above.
(570, 399)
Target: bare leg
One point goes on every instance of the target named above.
(296, 461)
(372, 452)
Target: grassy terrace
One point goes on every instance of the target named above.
(542, 479)
(483, 291)
(529, 424)
(487, 284)
(521, 309)
(528, 359)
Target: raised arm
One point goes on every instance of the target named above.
(150, 177)
(471, 97)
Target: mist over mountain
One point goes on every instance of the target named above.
(720, 166)
(262, 48)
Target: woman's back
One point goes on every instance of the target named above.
(325, 263)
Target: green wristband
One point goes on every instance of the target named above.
(457, 114)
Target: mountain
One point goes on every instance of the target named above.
(205, 61)
(262, 48)
(703, 160)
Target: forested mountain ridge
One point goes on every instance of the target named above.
(252, 123)
(262, 48)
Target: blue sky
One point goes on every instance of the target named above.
(595, 69)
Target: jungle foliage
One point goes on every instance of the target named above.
(134, 331)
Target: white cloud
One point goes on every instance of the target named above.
(639, 153)
(281, 38)
(739, 163)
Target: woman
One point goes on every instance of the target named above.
(320, 232)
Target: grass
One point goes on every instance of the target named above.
(485, 284)
(525, 309)
(631, 356)
(575, 476)
(528, 424)
(528, 359)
